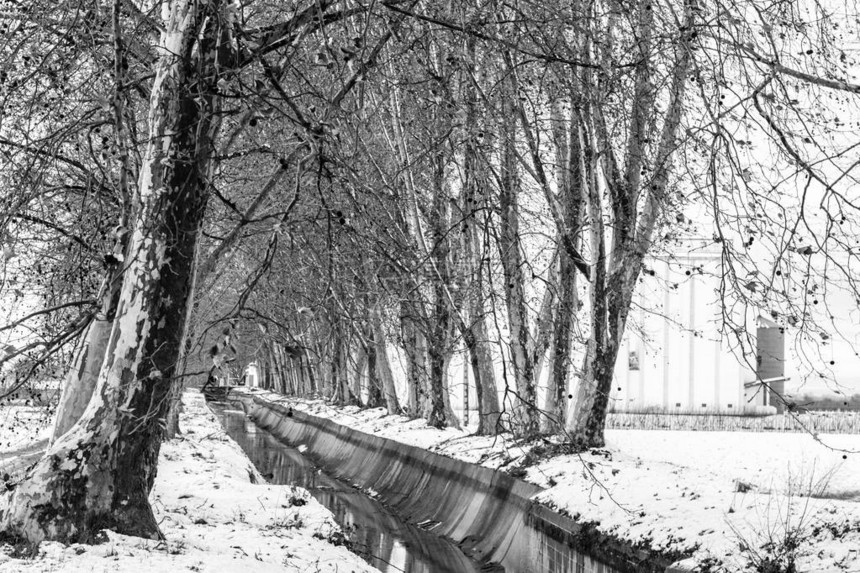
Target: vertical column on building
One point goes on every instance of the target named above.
(640, 353)
(666, 341)
(692, 334)
(717, 379)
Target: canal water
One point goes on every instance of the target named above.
(376, 533)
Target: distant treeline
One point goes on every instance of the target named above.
(828, 403)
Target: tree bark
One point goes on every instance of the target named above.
(438, 342)
(525, 416)
(184, 350)
(436, 414)
(282, 376)
(99, 474)
(268, 367)
(382, 363)
(569, 174)
(614, 284)
(374, 387)
(416, 365)
(475, 332)
(453, 421)
(81, 380)
(338, 388)
(360, 363)
(542, 336)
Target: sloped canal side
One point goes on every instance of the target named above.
(489, 514)
(374, 532)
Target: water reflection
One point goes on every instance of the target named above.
(376, 534)
(393, 545)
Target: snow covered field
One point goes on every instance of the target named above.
(21, 425)
(732, 499)
(217, 515)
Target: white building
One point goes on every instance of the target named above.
(251, 375)
(672, 358)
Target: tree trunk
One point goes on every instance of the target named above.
(282, 382)
(184, 350)
(525, 415)
(338, 394)
(436, 412)
(569, 174)
(416, 366)
(81, 380)
(589, 416)
(437, 349)
(349, 398)
(555, 409)
(542, 336)
(582, 431)
(466, 402)
(441, 322)
(453, 421)
(382, 363)
(312, 382)
(99, 474)
(481, 361)
(297, 386)
(374, 389)
(633, 229)
(475, 333)
(360, 363)
(268, 368)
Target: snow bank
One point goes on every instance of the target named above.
(490, 451)
(217, 515)
(731, 498)
(728, 498)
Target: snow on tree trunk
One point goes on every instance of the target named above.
(99, 474)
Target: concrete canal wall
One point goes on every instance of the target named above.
(488, 512)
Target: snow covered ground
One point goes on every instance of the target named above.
(217, 515)
(732, 499)
(21, 425)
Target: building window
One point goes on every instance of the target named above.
(677, 404)
(633, 360)
(730, 406)
(704, 405)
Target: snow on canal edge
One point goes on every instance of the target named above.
(217, 515)
(730, 498)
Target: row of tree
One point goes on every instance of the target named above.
(311, 185)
